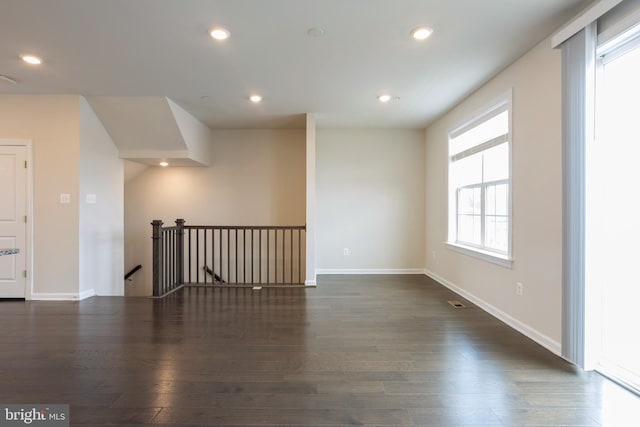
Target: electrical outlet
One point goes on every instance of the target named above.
(519, 289)
(345, 251)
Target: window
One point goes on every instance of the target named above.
(479, 184)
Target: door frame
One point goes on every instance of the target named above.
(28, 250)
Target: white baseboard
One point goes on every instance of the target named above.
(310, 283)
(420, 271)
(548, 343)
(87, 294)
(63, 297)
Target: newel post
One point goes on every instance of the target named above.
(180, 252)
(157, 257)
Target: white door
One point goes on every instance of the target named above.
(13, 227)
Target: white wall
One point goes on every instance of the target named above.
(51, 122)
(256, 177)
(370, 199)
(194, 132)
(310, 151)
(537, 201)
(101, 224)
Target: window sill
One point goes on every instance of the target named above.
(501, 260)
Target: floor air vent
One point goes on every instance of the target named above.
(456, 304)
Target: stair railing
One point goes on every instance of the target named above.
(212, 255)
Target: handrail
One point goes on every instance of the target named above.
(211, 273)
(132, 272)
(246, 227)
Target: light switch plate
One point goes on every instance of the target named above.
(92, 199)
(65, 198)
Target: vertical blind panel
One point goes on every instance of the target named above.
(578, 77)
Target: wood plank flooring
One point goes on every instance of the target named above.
(357, 350)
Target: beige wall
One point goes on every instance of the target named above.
(101, 224)
(256, 177)
(77, 247)
(194, 132)
(537, 198)
(370, 199)
(51, 122)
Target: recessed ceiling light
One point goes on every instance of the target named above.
(315, 32)
(30, 59)
(164, 164)
(219, 33)
(255, 98)
(384, 98)
(421, 33)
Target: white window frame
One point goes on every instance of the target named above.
(505, 259)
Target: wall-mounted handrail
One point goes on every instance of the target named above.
(133, 271)
(210, 272)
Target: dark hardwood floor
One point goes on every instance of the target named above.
(357, 350)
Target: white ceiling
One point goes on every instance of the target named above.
(145, 48)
